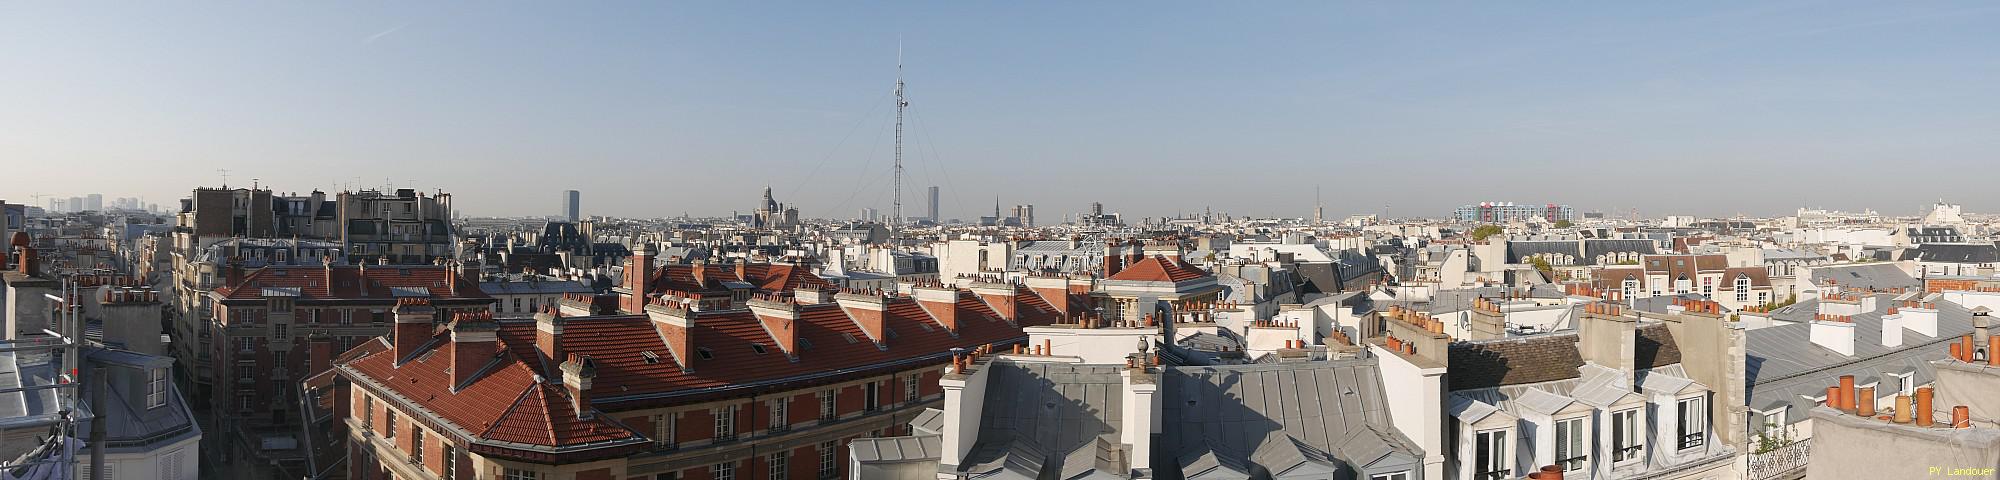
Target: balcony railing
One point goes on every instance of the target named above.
(1781, 461)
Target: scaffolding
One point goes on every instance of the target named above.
(56, 455)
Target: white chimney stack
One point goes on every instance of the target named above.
(1892, 328)
(1835, 332)
(1920, 317)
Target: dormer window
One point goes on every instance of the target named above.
(1490, 457)
(1572, 451)
(156, 389)
(1693, 429)
(1628, 440)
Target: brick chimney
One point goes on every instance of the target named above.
(413, 326)
(812, 296)
(941, 302)
(1002, 296)
(867, 310)
(1114, 260)
(780, 319)
(1605, 336)
(676, 323)
(233, 271)
(577, 372)
(638, 276)
(1054, 290)
(474, 342)
(548, 335)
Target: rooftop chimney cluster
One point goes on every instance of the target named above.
(1419, 319)
(1604, 309)
(1907, 409)
(1826, 317)
(1274, 324)
(1698, 306)
(962, 364)
(131, 295)
(1964, 350)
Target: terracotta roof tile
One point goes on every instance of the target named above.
(1160, 268)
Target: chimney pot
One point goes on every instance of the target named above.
(1902, 409)
(1961, 417)
(1865, 403)
(1923, 409)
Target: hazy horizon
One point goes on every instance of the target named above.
(652, 110)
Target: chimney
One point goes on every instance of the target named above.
(577, 373)
(1982, 321)
(675, 323)
(548, 335)
(638, 276)
(812, 296)
(1835, 332)
(743, 270)
(1002, 296)
(233, 271)
(1605, 336)
(1902, 409)
(29, 263)
(1864, 402)
(1054, 290)
(467, 272)
(1920, 317)
(941, 302)
(1961, 417)
(867, 310)
(474, 342)
(1840, 304)
(700, 271)
(1923, 409)
(1487, 320)
(1892, 328)
(780, 319)
(413, 326)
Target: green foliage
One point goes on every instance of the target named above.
(1564, 224)
(1767, 443)
(1628, 262)
(1480, 234)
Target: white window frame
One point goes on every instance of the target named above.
(1576, 430)
(829, 461)
(723, 471)
(1906, 382)
(725, 423)
(778, 466)
(156, 388)
(663, 429)
(511, 473)
(1634, 438)
(780, 415)
(827, 410)
(1403, 475)
(1691, 426)
(1774, 421)
(1500, 462)
(910, 392)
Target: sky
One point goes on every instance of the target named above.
(1156, 108)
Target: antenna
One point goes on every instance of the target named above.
(225, 176)
(896, 213)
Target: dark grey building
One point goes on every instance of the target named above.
(572, 205)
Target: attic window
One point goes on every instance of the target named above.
(705, 354)
(805, 343)
(758, 347)
(849, 337)
(651, 358)
(1854, 274)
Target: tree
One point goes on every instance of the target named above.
(1542, 264)
(1565, 223)
(1480, 234)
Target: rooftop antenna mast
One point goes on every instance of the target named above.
(896, 212)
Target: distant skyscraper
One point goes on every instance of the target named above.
(94, 202)
(75, 204)
(934, 204)
(572, 205)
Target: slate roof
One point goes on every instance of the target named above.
(1546, 358)
(1958, 252)
(765, 277)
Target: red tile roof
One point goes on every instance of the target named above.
(506, 404)
(764, 276)
(1160, 268)
(351, 282)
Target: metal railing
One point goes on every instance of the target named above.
(1780, 461)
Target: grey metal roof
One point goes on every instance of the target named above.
(1878, 276)
(1278, 416)
(1592, 248)
(930, 421)
(1783, 365)
(897, 449)
(538, 287)
(1039, 413)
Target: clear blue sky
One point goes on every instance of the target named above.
(657, 108)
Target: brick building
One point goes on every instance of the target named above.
(742, 371)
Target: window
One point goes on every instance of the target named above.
(776, 466)
(1774, 422)
(725, 423)
(416, 445)
(389, 424)
(518, 474)
(368, 413)
(246, 372)
(517, 304)
(1743, 288)
(1390, 476)
(780, 417)
(246, 344)
(278, 358)
(1632, 288)
(663, 430)
(279, 330)
(1571, 452)
(725, 471)
(156, 389)
(829, 467)
(826, 412)
(450, 457)
(1693, 422)
(1626, 440)
(1904, 384)
(1490, 457)
(1707, 286)
(874, 400)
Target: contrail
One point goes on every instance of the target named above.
(384, 33)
